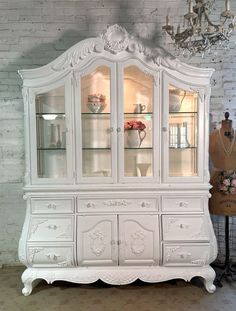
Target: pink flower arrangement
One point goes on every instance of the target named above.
(227, 183)
(96, 98)
(134, 125)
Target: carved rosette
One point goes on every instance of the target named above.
(97, 245)
(137, 244)
(116, 39)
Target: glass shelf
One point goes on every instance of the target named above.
(183, 112)
(141, 148)
(148, 148)
(107, 113)
(94, 114)
(138, 113)
(96, 148)
(49, 113)
(183, 148)
(51, 148)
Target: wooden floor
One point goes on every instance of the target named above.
(62, 296)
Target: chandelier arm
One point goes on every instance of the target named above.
(192, 23)
(183, 36)
(214, 25)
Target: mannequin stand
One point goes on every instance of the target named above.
(227, 271)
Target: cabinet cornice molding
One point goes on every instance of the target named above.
(118, 42)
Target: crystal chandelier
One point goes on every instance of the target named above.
(200, 33)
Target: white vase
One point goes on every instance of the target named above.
(175, 102)
(135, 138)
(143, 168)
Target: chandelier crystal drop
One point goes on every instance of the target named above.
(199, 33)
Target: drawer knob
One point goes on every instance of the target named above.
(183, 204)
(89, 205)
(52, 206)
(52, 227)
(113, 242)
(145, 204)
(52, 256)
(181, 226)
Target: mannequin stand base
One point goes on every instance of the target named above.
(227, 271)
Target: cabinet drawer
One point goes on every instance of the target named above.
(51, 229)
(185, 254)
(50, 256)
(184, 228)
(51, 205)
(182, 204)
(107, 205)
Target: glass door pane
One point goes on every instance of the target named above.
(96, 123)
(51, 134)
(138, 122)
(183, 134)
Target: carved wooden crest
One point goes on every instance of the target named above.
(116, 39)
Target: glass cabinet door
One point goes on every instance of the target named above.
(96, 123)
(138, 88)
(51, 134)
(183, 132)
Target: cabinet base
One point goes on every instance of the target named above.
(116, 276)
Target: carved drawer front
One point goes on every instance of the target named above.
(184, 228)
(51, 205)
(107, 205)
(182, 204)
(51, 256)
(185, 254)
(51, 229)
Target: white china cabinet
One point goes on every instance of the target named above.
(116, 182)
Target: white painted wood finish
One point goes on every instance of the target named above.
(138, 240)
(97, 240)
(116, 228)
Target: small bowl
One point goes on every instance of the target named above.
(96, 106)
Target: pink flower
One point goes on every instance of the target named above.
(127, 126)
(232, 190)
(233, 182)
(226, 182)
(223, 188)
(134, 125)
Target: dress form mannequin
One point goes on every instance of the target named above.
(222, 151)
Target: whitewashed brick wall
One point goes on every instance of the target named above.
(33, 33)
